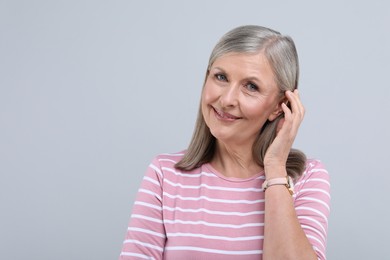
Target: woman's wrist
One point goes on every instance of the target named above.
(272, 172)
(286, 181)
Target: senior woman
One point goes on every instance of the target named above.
(239, 191)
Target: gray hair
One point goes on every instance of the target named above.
(282, 56)
(279, 50)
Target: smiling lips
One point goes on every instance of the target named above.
(225, 116)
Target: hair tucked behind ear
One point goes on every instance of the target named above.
(282, 56)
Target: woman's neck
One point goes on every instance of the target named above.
(234, 162)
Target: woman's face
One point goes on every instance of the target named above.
(239, 96)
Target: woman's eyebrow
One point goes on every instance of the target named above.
(217, 68)
(249, 78)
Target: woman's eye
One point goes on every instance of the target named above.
(220, 77)
(251, 87)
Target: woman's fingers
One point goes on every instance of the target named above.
(296, 104)
(293, 116)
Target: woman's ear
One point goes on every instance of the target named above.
(278, 110)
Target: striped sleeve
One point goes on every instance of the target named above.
(312, 199)
(145, 237)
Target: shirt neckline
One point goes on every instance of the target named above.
(259, 175)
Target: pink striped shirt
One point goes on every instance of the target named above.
(203, 215)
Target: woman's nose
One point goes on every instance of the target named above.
(229, 96)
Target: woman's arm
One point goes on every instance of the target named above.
(145, 237)
(284, 237)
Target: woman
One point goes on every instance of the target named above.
(230, 195)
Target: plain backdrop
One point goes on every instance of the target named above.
(91, 91)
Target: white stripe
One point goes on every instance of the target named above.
(213, 212)
(319, 251)
(211, 187)
(133, 241)
(190, 175)
(313, 220)
(318, 170)
(151, 193)
(261, 177)
(156, 169)
(147, 218)
(209, 250)
(177, 221)
(314, 230)
(312, 189)
(215, 237)
(316, 200)
(147, 231)
(146, 178)
(137, 255)
(313, 210)
(147, 205)
(212, 200)
(313, 179)
(167, 160)
(316, 239)
(173, 154)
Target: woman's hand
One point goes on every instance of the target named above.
(287, 129)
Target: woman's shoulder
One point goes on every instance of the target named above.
(314, 166)
(167, 160)
(315, 172)
(165, 165)
(170, 157)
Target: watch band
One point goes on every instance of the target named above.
(285, 181)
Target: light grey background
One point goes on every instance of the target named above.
(90, 91)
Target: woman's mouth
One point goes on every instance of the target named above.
(225, 116)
